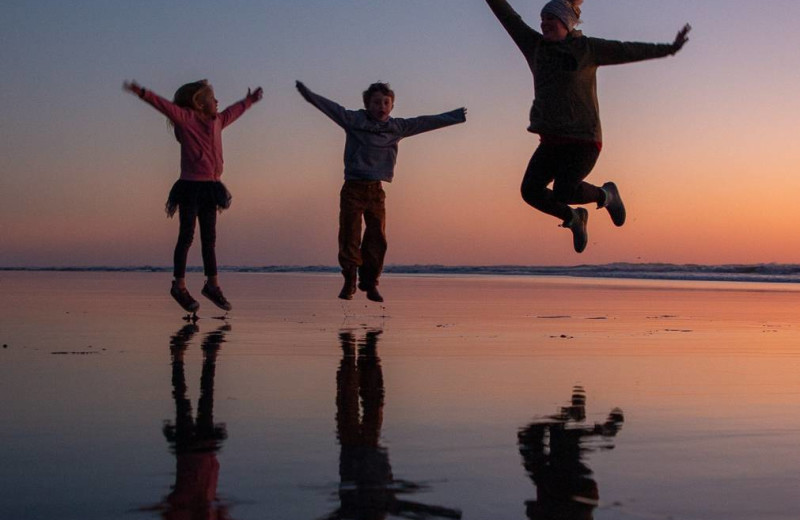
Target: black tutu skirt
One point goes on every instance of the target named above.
(197, 194)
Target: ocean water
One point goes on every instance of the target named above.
(762, 273)
(503, 397)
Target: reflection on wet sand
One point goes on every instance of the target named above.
(194, 441)
(368, 490)
(553, 449)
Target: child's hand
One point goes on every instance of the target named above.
(681, 38)
(256, 95)
(132, 87)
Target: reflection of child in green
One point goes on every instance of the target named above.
(368, 490)
(552, 450)
(195, 442)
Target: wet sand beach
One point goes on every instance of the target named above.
(459, 397)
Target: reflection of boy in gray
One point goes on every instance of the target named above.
(368, 490)
(370, 154)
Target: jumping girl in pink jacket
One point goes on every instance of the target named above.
(198, 194)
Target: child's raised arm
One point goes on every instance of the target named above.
(523, 35)
(340, 115)
(173, 112)
(132, 87)
(681, 38)
(420, 124)
(233, 112)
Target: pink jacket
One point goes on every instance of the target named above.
(200, 138)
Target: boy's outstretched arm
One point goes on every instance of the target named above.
(681, 38)
(418, 125)
(338, 114)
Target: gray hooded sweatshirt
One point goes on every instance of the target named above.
(370, 149)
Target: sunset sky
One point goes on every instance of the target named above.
(702, 145)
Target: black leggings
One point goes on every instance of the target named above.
(565, 165)
(203, 210)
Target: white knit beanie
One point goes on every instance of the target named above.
(568, 11)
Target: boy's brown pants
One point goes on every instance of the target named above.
(362, 199)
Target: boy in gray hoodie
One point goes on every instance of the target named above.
(370, 154)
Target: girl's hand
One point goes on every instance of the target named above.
(681, 38)
(256, 95)
(132, 87)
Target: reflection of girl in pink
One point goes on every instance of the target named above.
(195, 442)
(198, 194)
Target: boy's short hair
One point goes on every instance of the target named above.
(383, 88)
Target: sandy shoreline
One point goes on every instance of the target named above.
(706, 374)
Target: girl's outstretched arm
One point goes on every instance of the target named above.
(173, 112)
(233, 112)
(133, 87)
(256, 95)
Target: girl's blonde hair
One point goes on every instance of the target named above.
(186, 95)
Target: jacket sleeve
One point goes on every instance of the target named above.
(233, 112)
(610, 52)
(418, 125)
(523, 35)
(173, 112)
(340, 115)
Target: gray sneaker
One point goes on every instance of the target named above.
(613, 204)
(580, 237)
(183, 298)
(215, 295)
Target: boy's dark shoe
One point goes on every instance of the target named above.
(372, 291)
(613, 204)
(349, 287)
(217, 298)
(580, 237)
(183, 298)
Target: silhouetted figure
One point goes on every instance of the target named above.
(370, 155)
(367, 489)
(199, 193)
(195, 441)
(552, 450)
(566, 113)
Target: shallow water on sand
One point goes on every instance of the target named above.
(461, 397)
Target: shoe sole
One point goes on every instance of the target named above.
(579, 248)
(619, 219)
(228, 308)
(192, 308)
